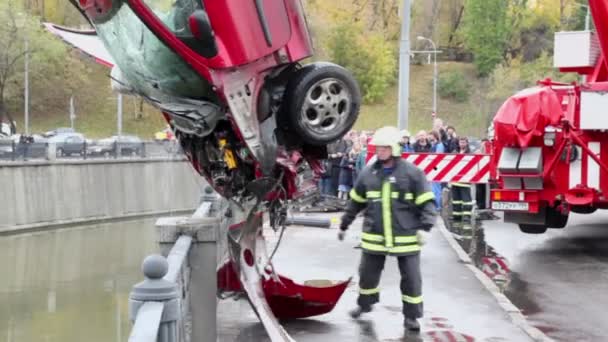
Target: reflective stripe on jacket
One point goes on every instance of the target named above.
(396, 206)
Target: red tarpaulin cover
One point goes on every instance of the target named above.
(525, 115)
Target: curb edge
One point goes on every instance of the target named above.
(511, 310)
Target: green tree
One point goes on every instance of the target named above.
(16, 27)
(485, 32)
(454, 85)
(367, 55)
(508, 80)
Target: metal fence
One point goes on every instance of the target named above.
(177, 300)
(16, 151)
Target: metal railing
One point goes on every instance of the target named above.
(164, 305)
(11, 150)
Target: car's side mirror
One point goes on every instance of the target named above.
(201, 29)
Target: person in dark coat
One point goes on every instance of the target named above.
(336, 151)
(422, 144)
(451, 144)
(347, 166)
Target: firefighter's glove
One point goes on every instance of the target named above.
(341, 234)
(422, 236)
(426, 227)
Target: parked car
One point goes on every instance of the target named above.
(6, 147)
(19, 146)
(58, 131)
(5, 130)
(67, 144)
(128, 144)
(474, 144)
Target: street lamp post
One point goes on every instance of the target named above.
(26, 86)
(434, 73)
(404, 67)
(587, 26)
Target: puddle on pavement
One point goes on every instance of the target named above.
(496, 267)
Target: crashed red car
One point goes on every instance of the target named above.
(250, 117)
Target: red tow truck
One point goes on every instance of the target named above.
(550, 150)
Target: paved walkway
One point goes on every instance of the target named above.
(457, 306)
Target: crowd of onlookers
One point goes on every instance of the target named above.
(348, 156)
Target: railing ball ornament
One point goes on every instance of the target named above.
(155, 266)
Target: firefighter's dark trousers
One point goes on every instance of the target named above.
(462, 205)
(370, 270)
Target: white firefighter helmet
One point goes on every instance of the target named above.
(388, 136)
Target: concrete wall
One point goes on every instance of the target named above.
(39, 194)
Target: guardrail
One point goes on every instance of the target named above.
(177, 300)
(16, 151)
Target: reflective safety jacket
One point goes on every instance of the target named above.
(397, 205)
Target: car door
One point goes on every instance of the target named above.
(73, 144)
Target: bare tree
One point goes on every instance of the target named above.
(433, 14)
(12, 51)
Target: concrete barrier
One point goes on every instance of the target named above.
(39, 194)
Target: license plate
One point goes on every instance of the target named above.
(519, 206)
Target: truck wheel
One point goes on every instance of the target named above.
(532, 228)
(583, 209)
(321, 103)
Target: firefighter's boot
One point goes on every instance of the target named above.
(411, 324)
(358, 311)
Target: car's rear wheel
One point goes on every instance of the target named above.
(322, 103)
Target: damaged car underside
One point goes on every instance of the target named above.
(252, 120)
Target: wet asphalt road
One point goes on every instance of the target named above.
(559, 279)
(457, 306)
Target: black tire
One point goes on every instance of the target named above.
(321, 103)
(583, 209)
(556, 219)
(532, 228)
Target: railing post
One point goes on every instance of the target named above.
(155, 289)
(199, 277)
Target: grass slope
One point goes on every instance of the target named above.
(468, 117)
(96, 107)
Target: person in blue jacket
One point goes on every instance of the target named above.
(405, 142)
(437, 146)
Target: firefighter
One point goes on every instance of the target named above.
(400, 211)
(462, 202)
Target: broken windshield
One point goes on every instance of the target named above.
(174, 14)
(146, 64)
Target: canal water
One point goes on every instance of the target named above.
(72, 284)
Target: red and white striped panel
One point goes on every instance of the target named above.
(444, 167)
(447, 167)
